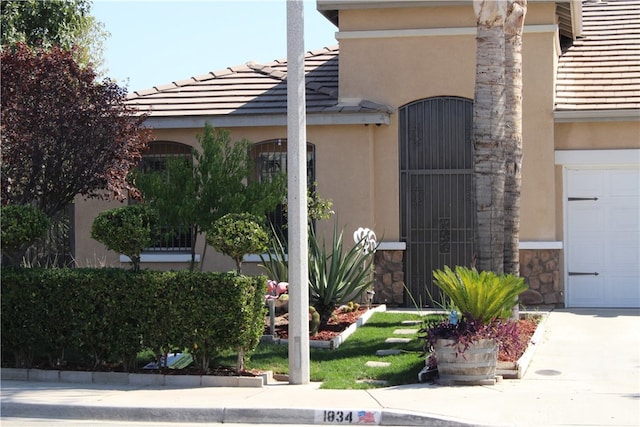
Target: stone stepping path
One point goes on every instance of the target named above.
(376, 364)
(398, 340)
(401, 336)
(405, 331)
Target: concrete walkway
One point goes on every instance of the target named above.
(586, 372)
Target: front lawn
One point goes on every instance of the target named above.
(345, 367)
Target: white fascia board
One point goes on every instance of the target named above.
(265, 120)
(571, 116)
(597, 157)
(430, 32)
(162, 257)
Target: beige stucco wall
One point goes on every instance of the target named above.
(597, 135)
(401, 69)
(89, 252)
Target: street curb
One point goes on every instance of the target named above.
(386, 417)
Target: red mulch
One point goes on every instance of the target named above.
(336, 325)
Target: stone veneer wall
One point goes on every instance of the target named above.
(540, 268)
(541, 271)
(389, 278)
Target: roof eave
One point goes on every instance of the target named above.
(575, 116)
(231, 121)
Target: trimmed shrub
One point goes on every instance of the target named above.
(126, 230)
(238, 234)
(22, 225)
(109, 315)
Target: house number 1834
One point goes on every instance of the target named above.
(336, 416)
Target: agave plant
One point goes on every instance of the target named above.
(480, 296)
(336, 276)
(275, 263)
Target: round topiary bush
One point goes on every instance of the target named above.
(126, 230)
(238, 234)
(22, 225)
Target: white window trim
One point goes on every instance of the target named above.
(384, 246)
(536, 245)
(162, 257)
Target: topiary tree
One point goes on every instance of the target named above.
(22, 225)
(237, 235)
(127, 230)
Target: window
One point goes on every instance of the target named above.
(271, 158)
(171, 239)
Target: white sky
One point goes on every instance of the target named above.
(155, 42)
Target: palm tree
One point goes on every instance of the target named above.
(488, 134)
(516, 11)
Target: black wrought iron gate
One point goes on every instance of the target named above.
(436, 191)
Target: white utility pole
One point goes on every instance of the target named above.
(297, 197)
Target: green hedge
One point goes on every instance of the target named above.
(109, 315)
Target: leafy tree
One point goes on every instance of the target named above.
(63, 134)
(63, 23)
(21, 226)
(218, 182)
(237, 235)
(224, 170)
(127, 230)
(173, 193)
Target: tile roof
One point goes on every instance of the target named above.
(251, 89)
(601, 70)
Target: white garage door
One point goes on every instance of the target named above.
(603, 238)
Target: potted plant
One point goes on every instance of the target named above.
(465, 346)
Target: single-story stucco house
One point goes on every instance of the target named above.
(389, 118)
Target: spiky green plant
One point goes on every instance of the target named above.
(275, 263)
(480, 296)
(336, 276)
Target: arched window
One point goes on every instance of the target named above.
(271, 158)
(170, 239)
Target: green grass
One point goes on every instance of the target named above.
(343, 367)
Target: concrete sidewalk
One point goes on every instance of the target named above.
(586, 371)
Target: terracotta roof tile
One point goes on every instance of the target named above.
(250, 89)
(602, 69)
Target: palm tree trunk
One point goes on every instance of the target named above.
(514, 23)
(488, 134)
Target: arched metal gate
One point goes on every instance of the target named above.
(436, 191)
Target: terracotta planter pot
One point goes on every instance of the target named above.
(474, 365)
